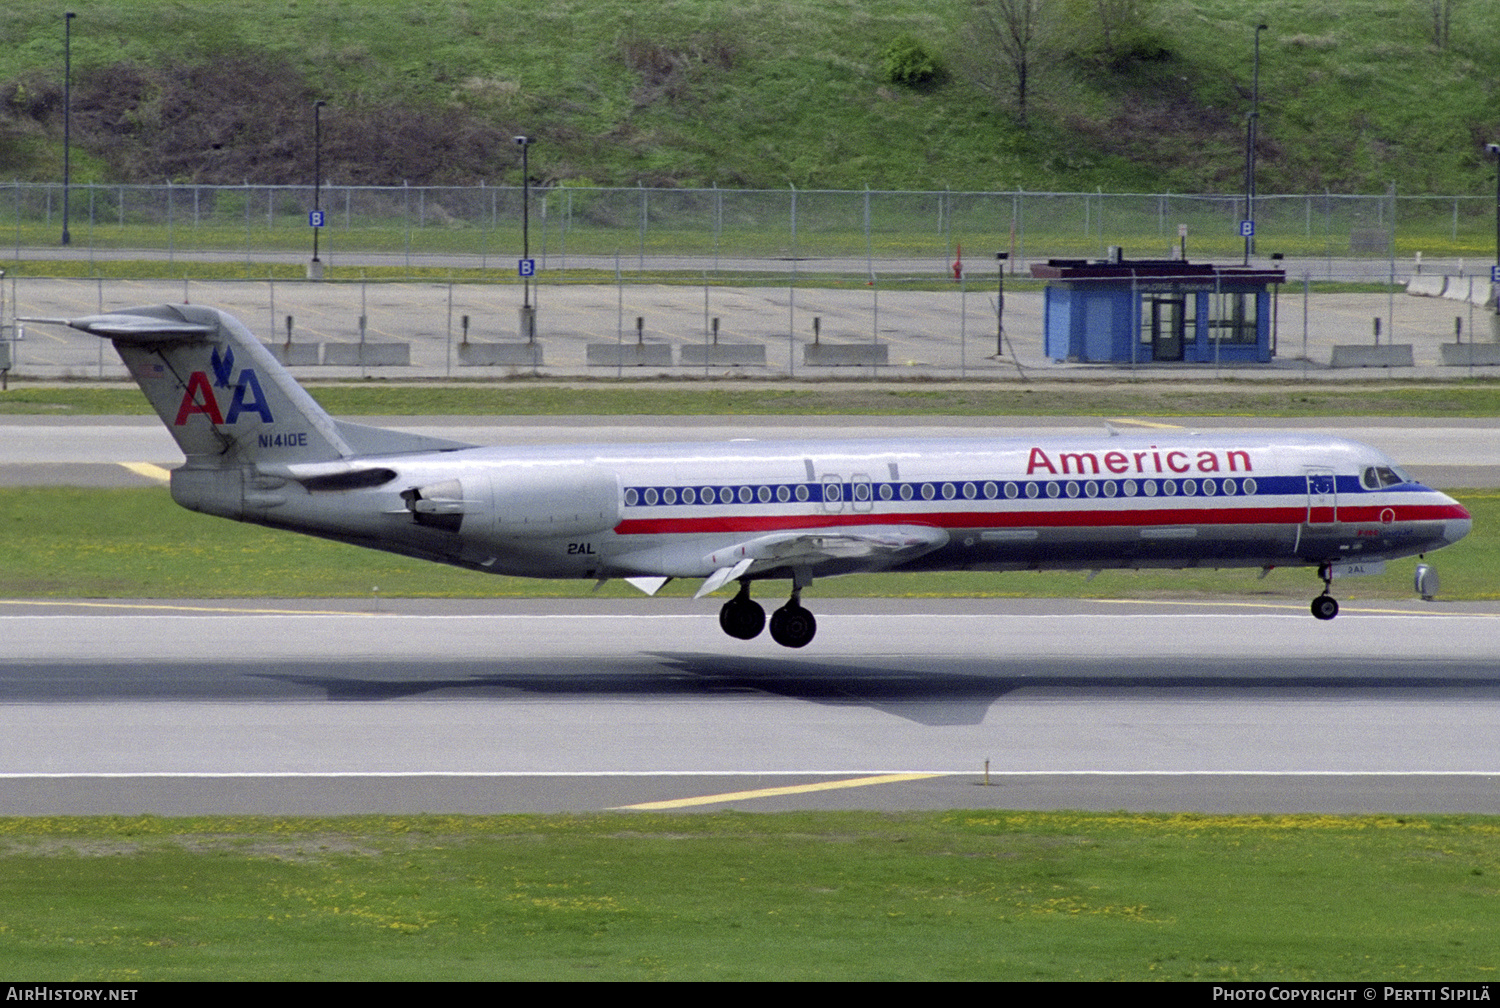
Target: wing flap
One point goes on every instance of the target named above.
(723, 576)
(881, 545)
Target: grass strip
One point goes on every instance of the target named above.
(956, 895)
(727, 399)
(136, 543)
(936, 280)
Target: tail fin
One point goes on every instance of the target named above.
(225, 399)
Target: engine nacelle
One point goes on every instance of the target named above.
(539, 501)
(554, 500)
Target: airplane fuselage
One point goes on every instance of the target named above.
(664, 510)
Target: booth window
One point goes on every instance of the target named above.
(1231, 318)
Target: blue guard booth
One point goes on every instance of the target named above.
(1141, 311)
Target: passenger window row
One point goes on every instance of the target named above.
(785, 493)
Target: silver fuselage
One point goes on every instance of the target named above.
(598, 511)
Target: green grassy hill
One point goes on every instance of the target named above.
(1149, 95)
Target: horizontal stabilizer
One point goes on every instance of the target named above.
(138, 325)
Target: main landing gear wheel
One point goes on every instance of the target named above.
(792, 625)
(1325, 607)
(742, 616)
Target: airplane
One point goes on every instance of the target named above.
(259, 449)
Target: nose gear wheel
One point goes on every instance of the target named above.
(1325, 606)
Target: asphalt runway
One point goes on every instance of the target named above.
(331, 707)
(498, 706)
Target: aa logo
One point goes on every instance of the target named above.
(199, 396)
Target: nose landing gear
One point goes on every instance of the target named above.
(1325, 606)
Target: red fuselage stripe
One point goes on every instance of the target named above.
(1286, 515)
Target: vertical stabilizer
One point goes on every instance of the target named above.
(218, 390)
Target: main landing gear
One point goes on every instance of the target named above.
(791, 625)
(742, 616)
(1325, 606)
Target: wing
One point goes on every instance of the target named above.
(882, 546)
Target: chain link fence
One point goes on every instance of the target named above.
(707, 228)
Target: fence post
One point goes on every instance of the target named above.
(641, 263)
(869, 240)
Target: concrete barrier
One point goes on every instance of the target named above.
(1458, 288)
(1427, 286)
(500, 354)
(845, 354)
(723, 354)
(1475, 290)
(296, 354)
(367, 354)
(1471, 354)
(1361, 355)
(628, 354)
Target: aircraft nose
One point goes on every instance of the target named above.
(1455, 529)
(1458, 524)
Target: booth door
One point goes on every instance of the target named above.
(1163, 324)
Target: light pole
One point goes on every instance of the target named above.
(527, 268)
(315, 272)
(1495, 273)
(67, 118)
(1251, 128)
(6, 345)
(1000, 258)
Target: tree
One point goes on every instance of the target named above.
(1012, 45)
(1114, 32)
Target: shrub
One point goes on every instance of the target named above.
(907, 62)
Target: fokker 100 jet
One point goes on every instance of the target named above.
(260, 450)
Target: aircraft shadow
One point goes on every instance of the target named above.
(938, 691)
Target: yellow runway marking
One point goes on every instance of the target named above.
(188, 608)
(1145, 423)
(151, 472)
(775, 791)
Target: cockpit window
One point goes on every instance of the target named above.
(1379, 477)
